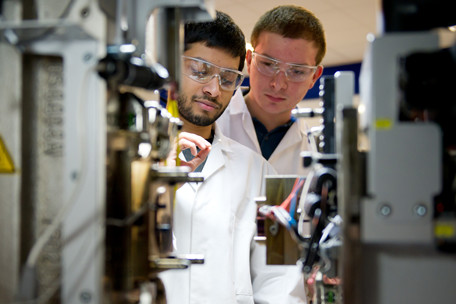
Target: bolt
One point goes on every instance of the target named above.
(420, 210)
(307, 269)
(85, 296)
(274, 229)
(85, 12)
(385, 210)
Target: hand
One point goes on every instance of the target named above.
(191, 141)
(311, 281)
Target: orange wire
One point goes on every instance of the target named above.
(286, 203)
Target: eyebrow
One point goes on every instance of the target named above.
(271, 57)
(225, 68)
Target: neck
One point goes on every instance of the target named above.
(269, 120)
(205, 132)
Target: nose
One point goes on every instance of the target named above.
(279, 80)
(212, 88)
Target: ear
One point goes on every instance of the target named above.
(248, 60)
(317, 75)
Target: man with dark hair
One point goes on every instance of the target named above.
(289, 45)
(216, 218)
(222, 33)
(224, 37)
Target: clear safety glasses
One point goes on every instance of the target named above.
(203, 72)
(294, 72)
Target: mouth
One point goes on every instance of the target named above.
(275, 98)
(207, 105)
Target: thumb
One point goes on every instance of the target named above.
(198, 159)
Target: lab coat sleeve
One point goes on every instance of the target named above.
(274, 284)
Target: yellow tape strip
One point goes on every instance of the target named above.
(383, 123)
(442, 230)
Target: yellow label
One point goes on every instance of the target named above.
(6, 163)
(383, 123)
(442, 230)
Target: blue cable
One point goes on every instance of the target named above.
(293, 206)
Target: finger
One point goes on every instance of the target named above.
(331, 281)
(185, 144)
(310, 288)
(310, 281)
(198, 159)
(195, 139)
(203, 153)
(188, 164)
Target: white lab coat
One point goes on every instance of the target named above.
(236, 123)
(216, 218)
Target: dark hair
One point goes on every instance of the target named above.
(221, 33)
(294, 22)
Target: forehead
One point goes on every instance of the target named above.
(213, 55)
(292, 50)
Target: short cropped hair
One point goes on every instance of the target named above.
(294, 22)
(221, 33)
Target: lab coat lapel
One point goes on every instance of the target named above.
(239, 107)
(216, 159)
(247, 124)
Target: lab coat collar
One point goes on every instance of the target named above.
(216, 158)
(222, 140)
(297, 132)
(237, 103)
(238, 106)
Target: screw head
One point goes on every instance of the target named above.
(274, 229)
(85, 296)
(420, 210)
(385, 210)
(85, 12)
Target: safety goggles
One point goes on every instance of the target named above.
(202, 71)
(294, 72)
